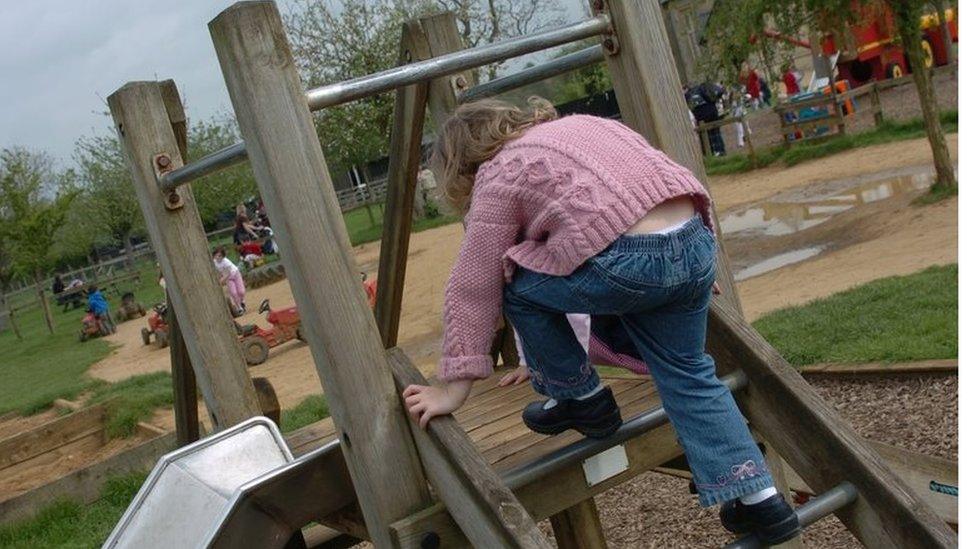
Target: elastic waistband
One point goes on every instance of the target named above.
(691, 230)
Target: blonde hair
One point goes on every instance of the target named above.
(474, 134)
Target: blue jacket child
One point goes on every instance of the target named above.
(97, 302)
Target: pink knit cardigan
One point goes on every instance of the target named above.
(548, 201)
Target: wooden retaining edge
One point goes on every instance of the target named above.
(918, 367)
(51, 435)
(85, 485)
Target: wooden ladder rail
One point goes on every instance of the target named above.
(290, 169)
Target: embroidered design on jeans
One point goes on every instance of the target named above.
(740, 472)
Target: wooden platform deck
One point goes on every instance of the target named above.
(492, 417)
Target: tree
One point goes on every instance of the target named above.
(734, 24)
(352, 38)
(907, 16)
(486, 21)
(109, 201)
(34, 199)
(218, 193)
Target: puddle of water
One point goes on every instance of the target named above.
(780, 218)
(777, 261)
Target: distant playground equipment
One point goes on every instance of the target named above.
(129, 309)
(390, 472)
(256, 341)
(870, 49)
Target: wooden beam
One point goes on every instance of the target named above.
(85, 485)
(441, 33)
(184, 381)
(53, 434)
(286, 157)
(820, 446)
(408, 128)
(177, 235)
(578, 527)
(484, 508)
(645, 79)
(549, 495)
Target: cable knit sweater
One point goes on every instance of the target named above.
(548, 201)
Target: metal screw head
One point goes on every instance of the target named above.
(460, 82)
(430, 540)
(162, 161)
(173, 198)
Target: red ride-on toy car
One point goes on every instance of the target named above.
(256, 341)
(92, 327)
(157, 326)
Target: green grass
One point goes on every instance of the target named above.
(896, 319)
(362, 230)
(132, 400)
(68, 524)
(310, 410)
(888, 132)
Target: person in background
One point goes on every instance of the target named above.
(244, 230)
(230, 276)
(369, 285)
(99, 306)
(703, 101)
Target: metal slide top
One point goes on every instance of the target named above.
(817, 508)
(404, 75)
(589, 447)
(563, 64)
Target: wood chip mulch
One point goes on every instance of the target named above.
(914, 412)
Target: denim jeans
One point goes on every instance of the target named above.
(659, 286)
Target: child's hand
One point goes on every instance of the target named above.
(425, 402)
(516, 376)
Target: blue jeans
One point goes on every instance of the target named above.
(659, 286)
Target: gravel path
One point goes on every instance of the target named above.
(913, 412)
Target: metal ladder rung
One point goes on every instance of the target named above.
(817, 508)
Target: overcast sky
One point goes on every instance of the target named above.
(60, 59)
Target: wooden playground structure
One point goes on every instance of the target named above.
(478, 478)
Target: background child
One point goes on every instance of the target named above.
(230, 276)
(99, 307)
(581, 215)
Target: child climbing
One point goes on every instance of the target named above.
(580, 215)
(230, 276)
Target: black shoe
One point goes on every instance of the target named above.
(772, 519)
(597, 416)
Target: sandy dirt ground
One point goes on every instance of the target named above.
(879, 239)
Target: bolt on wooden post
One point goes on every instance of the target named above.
(285, 154)
(177, 235)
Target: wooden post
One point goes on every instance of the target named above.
(578, 527)
(177, 235)
(820, 446)
(876, 105)
(46, 307)
(645, 79)
(747, 136)
(184, 380)
(291, 172)
(405, 141)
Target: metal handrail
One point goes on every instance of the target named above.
(825, 504)
(589, 447)
(566, 63)
(390, 79)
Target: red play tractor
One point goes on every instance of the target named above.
(92, 326)
(257, 341)
(157, 327)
